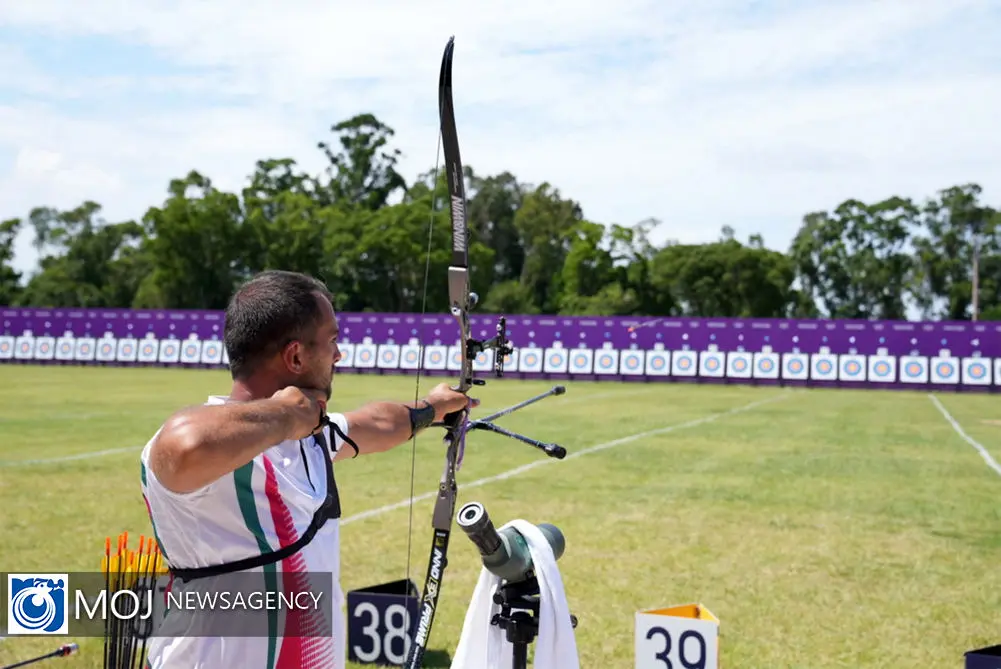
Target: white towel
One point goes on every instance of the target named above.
(485, 646)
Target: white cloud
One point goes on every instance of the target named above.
(698, 113)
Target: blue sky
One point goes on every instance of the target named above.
(699, 113)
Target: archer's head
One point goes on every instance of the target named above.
(281, 331)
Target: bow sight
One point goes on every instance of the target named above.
(500, 344)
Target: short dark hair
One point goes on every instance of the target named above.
(266, 313)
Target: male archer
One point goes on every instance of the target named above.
(244, 483)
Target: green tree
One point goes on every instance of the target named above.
(10, 279)
(363, 172)
(86, 261)
(725, 279)
(854, 261)
(196, 249)
(955, 228)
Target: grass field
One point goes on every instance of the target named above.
(825, 528)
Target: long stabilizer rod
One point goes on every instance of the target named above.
(555, 390)
(486, 423)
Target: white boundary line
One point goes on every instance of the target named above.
(967, 438)
(69, 458)
(711, 418)
(125, 449)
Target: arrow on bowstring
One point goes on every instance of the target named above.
(457, 425)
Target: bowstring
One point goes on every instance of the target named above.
(420, 342)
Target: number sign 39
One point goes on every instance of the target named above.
(665, 641)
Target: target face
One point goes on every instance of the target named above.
(945, 369)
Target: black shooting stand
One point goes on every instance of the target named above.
(519, 604)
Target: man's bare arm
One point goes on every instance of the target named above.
(198, 445)
(380, 426)
(377, 427)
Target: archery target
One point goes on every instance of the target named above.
(738, 365)
(944, 370)
(454, 358)
(684, 363)
(531, 360)
(410, 356)
(148, 350)
(170, 350)
(712, 364)
(45, 348)
(882, 368)
(997, 371)
(212, 352)
(766, 365)
(823, 367)
(795, 366)
(6, 347)
(365, 356)
(606, 361)
(225, 356)
(631, 362)
(128, 349)
(85, 348)
(581, 361)
(106, 349)
(24, 347)
(65, 346)
(658, 363)
(389, 356)
(977, 371)
(913, 369)
(434, 357)
(851, 367)
(347, 355)
(556, 361)
(484, 361)
(191, 351)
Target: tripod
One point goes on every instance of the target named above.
(519, 602)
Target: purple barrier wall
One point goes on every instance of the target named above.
(908, 355)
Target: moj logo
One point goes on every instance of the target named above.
(37, 603)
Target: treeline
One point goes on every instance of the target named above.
(365, 231)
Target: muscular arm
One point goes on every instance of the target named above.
(198, 445)
(378, 426)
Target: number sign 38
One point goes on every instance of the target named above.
(670, 639)
(380, 625)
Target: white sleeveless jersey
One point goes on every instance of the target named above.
(260, 507)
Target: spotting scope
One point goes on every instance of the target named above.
(504, 553)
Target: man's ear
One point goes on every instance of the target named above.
(292, 356)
